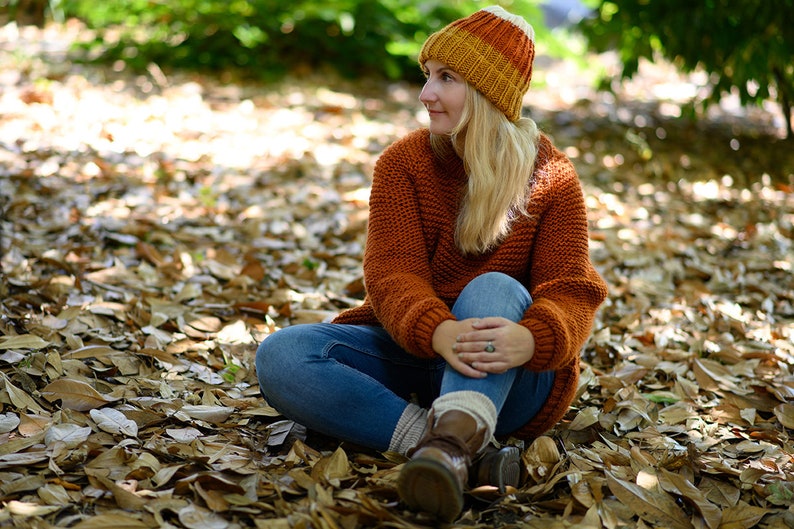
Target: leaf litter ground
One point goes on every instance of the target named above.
(156, 228)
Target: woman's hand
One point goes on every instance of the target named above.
(466, 345)
(495, 345)
(445, 344)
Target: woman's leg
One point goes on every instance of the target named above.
(469, 410)
(517, 394)
(348, 381)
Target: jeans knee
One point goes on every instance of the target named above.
(277, 356)
(498, 286)
(489, 280)
(263, 354)
(265, 361)
(493, 294)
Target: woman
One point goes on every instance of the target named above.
(480, 290)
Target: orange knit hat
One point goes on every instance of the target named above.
(493, 50)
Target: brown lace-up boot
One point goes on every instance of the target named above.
(497, 467)
(433, 480)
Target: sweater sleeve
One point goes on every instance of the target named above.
(565, 288)
(396, 264)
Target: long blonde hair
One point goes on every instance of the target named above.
(499, 159)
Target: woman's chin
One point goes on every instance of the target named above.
(438, 129)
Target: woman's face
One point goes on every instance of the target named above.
(443, 95)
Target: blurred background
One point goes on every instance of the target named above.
(741, 50)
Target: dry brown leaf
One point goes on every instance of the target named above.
(209, 324)
(213, 414)
(714, 376)
(21, 399)
(71, 435)
(32, 425)
(8, 422)
(165, 474)
(653, 506)
(720, 492)
(53, 494)
(253, 268)
(742, 516)
(333, 468)
(162, 356)
(585, 418)
(273, 523)
(30, 510)
(113, 421)
(23, 341)
(195, 517)
(90, 351)
(215, 500)
(184, 435)
(785, 414)
(114, 520)
(582, 493)
(21, 484)
(123, 493)
(22, 460)
(20, 444)
(678, 484)
(75, 395)
(541, 459)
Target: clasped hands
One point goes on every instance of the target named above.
(464, 344)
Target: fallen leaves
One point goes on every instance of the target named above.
(74, 394)
(151, 242)
(113, 421)
(650, 503)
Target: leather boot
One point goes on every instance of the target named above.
(433, 480)
(498, 467)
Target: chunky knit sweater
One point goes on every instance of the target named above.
(414, 272)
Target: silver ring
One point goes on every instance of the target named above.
(490, 348)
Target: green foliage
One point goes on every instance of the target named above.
(746, 46)
(266, 38)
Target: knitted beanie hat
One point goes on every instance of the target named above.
(493, 50)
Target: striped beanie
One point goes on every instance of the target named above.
(493, 50)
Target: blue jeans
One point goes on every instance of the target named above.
(353, 382)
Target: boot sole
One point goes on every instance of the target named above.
(428, 486)
(506, 471)
(500, 468)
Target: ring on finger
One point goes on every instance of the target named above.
(489, 348)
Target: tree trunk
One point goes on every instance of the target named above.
(26, 12)
(785, 103)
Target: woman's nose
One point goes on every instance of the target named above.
(427, 94)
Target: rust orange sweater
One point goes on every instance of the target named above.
(413, 270)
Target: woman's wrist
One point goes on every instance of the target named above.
(444, 336)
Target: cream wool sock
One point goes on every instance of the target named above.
(475, 404)
(409, 430)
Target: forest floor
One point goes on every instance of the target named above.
(155, 228)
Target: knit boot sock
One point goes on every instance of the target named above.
(411, 427)
(474, 403)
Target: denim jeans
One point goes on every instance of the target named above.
(353, 382)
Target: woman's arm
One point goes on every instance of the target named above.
(397, 268)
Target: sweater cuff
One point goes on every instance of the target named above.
(544, 346)
(425, 327)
